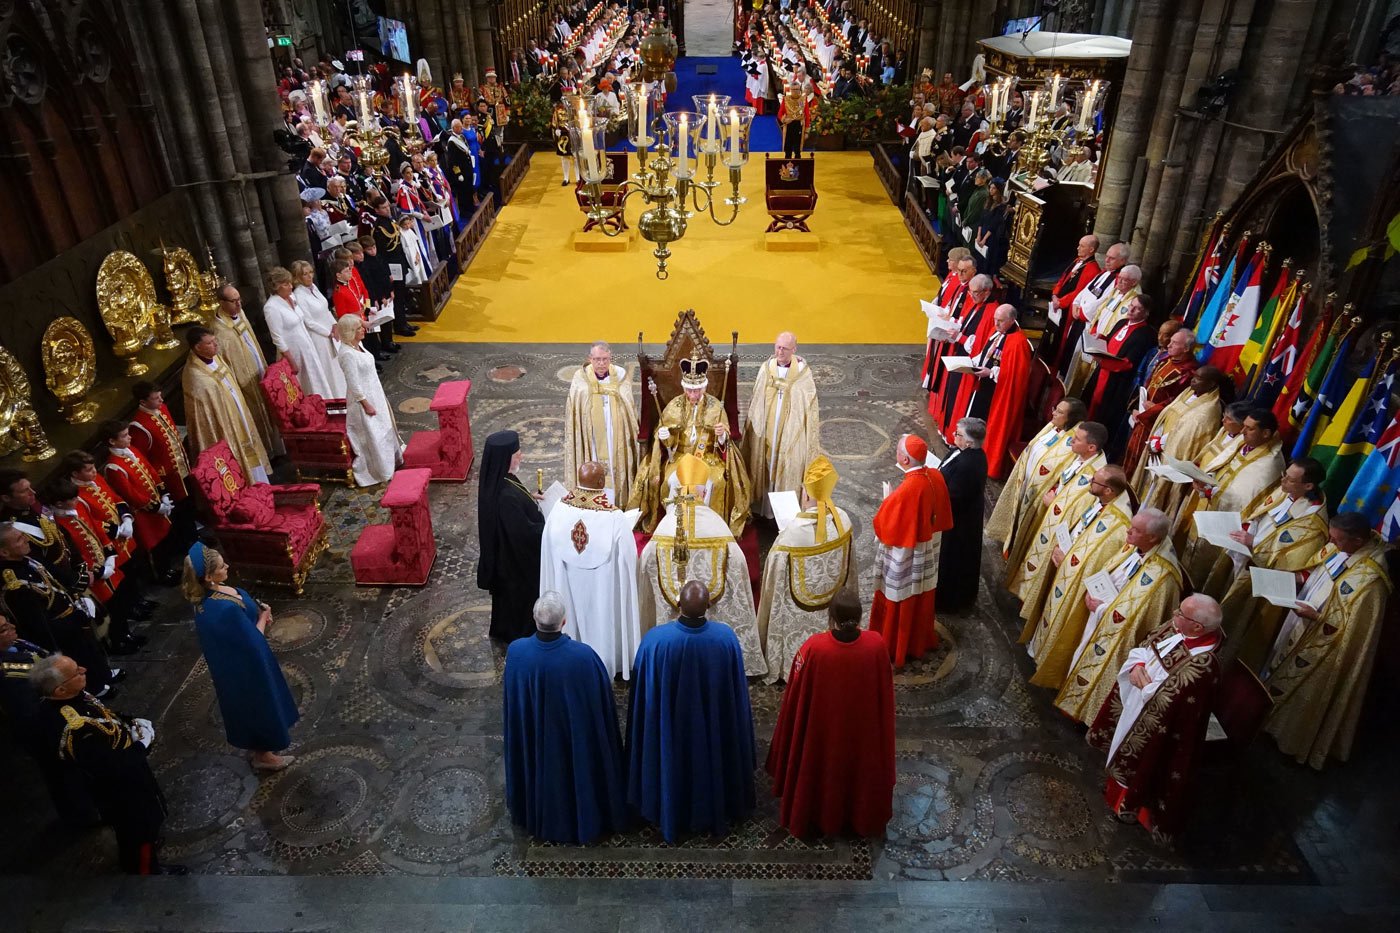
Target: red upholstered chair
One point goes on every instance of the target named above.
(268, 533)
(790, 192)
(315, 438)
(402, 552)
(448, 451)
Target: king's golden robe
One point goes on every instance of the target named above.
(692, 431)
(600, 423)
(783, 430)
(1318, 678)
(1147, 599)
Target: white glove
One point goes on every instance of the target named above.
(1132, 420)
(127, 528)
(166, 506)
(663, 434)
(109, 567)
(143, 731)
(89, 607)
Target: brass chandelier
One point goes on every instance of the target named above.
(672, 148)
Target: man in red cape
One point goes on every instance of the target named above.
(974, 392)
(908, 527)
(1076, 276)
(832, 755)
(961, 269)
(1000, 397)
(974, 322)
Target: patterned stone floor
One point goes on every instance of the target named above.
(398, 749)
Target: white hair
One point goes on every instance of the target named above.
(1204, 610)
(45, 676)
(549, 612)
(980, 282)
(1118, 249)
(1155, 522)
(1132, 273)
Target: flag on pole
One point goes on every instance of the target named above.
(1283, 351)
(1236, 321)
(1267, 327)
(1206, 278)
(1373, 491)
(1314, 409)
(1205, 325)
(1365, 427)
(1329, 437)
(1319, 346)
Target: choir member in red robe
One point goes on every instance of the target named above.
(1004, 372)
(1083, 270)
(950, 298)
(832, 754)
(980, 328)
(1112, 380)
(908, 528)
(1153, 724)
(1175, 375)
(153, 432)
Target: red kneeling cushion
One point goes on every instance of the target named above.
(253, 506)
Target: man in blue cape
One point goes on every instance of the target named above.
(563, 755)
(690, 746)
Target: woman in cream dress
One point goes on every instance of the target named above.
(316, 316)
(369, 421)
(293, 341)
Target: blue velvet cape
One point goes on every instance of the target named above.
(257, 706)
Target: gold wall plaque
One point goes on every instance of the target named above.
(126, 298)
(70, 367)
(184, 281)
(19, 425)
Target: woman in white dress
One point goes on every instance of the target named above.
(289, 334)
(416, 272)
(316, 316)
(369, 421)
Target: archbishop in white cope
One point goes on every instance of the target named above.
(589, 557)
(693, 543)
(783, 431)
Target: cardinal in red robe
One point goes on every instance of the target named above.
(908, 527)
(832, 754)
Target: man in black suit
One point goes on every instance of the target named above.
(960, 556)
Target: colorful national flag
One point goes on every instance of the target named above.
(1315, 410)
(1364, 429)
(1205, 325)
(1301, 386)
(1268, 325)
(1373, 491)
(1236, 321)
(1283, 352)
(1207, 275)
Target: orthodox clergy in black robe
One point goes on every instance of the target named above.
(510, 525)
(960, 557)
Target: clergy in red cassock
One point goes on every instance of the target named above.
(974, 320)
(908, 527)
(832, 754)
(1173, 377)
(1083, 270)
(153, 432)
(997, 391)
(1112, 380)
(1153, 724)
(949, 303)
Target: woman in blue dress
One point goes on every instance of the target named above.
(257, 707)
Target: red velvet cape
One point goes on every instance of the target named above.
(832, 755)
(1008, 404)
(967, 385)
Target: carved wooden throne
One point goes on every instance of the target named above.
(687, 338)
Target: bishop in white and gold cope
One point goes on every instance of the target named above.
(600, 422)
(693, 423)
(783, 430)
(693, 543)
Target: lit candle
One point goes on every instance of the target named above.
(364, 106)
(685, 139)
(643, 139)
(712, 125)
(1035, 107)
(733, 133)
(1054, 92)
(585, 138)
(407, 99)
(1086, 113)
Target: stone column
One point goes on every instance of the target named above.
(1135, 105)
(485, 37)
(928, 33)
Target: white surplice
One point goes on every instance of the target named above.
(375, 440)
(589, 557)
(316, 316)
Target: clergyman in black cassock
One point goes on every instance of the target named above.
(960, 557)
(510, 525)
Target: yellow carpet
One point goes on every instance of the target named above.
(529, 285)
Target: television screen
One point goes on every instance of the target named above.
(1018, 26)
(393, 39)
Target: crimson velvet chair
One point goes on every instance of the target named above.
(448, 451)
(271, 534)
(315, 437)
(402, 552)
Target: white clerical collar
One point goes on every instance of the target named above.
(1280, 514)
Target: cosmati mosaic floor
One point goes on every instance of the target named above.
(398, 751)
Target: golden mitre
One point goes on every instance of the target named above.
(691, 471)
(819, 481)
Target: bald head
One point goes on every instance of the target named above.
(694, 600)
(1109, 483)
(1199, 615)
(592, 475)
(1005, 318)
(784, 348)
(1088, 246)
